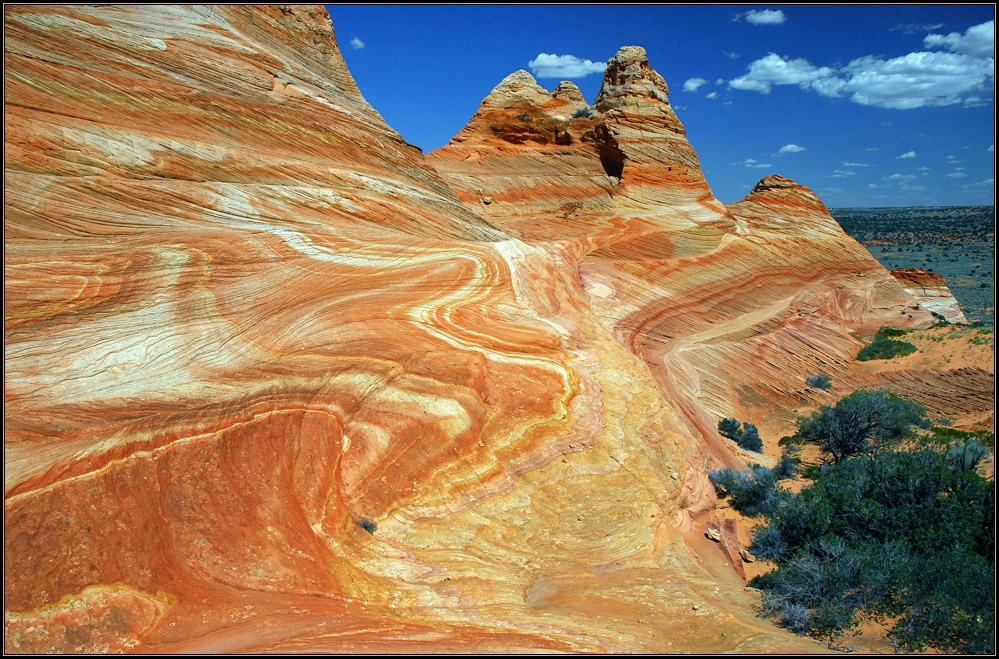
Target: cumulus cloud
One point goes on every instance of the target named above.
(565, 67)
(790, 148)
(977, 41)
(906, 155)
(900, 177)
(956, 175)
(855, 164)
(914, 80)
(711, 95)
(693, 84)
(356, 43)
(839, 173)
(764, 16)
(776, 70)
(749, 162)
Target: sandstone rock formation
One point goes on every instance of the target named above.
(271, 385)
(932, 294)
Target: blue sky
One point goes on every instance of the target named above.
(868, 105)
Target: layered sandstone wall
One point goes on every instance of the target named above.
(275, 383)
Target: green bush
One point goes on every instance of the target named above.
(819, 381)
(862, 422)
(885, 347)
(882, 348)
(903, 537)
(745, 435)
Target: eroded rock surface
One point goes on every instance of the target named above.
(271, 385)
(931, 292)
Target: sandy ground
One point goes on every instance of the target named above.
(943, 348)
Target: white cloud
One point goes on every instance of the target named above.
(906, 155)
(711, 95)
(855, 164)
(992, 148)
(977, 41)
(564, 66)
(956, 175)
(900, 177)
(732, 55)
(749, 162)
(839, 173)
(356, 43)
(985, 183)
(790, 148)
(765, 17)
(693, 84)
(776, 70)
(914, 80)
(915, 28)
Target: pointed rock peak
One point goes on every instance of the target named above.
(776, 182)
(568, 91)
(629, 76)
(517, 87)
(781, 189)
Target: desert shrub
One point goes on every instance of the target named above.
(820, 381)
(904, 537)
(890, 332)
(729, 427)
(745, 435)
(885, 346)
(582, 113)
(753, 492)
(367, 524)
(750, 439)
(967, 454)
(862, 422)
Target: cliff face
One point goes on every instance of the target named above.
(272, 385)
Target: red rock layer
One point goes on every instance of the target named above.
(732, 308)
(269, 385)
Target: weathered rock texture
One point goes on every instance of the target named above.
(272, 386)
(929, 289)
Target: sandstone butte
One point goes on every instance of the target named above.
(276, 382)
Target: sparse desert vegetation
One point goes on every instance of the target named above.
(896, 527)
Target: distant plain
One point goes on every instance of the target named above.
(958, 242)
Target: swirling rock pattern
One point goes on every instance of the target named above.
(271, 385)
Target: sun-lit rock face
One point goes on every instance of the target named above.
(731, 308)
(931, 292)
(271, 385)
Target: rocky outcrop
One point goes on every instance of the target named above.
(274, 383)
(932, 294)
(731, 308)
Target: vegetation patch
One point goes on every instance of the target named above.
(885, 347)
(745, 435)
(898, 529)
(819, 381)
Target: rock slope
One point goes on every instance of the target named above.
(273, 383)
